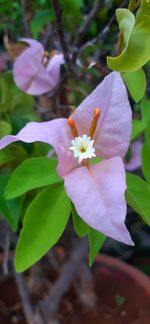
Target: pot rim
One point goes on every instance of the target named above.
(139, 277)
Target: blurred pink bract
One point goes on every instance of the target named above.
(29, 72)
(97, 190)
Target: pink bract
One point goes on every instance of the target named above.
(97, 191)
(135, 161)
(29, 72)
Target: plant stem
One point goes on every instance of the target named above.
(51, 303)
(60, 32)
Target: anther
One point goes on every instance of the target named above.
(73, 128)
(94, 122)
(96, 113)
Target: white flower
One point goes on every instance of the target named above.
(82, 148)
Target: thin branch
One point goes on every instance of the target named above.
(59, 86)
(46, 36)
(91, 16)
(103, 34)
(31, 316)
(60, 32)
(85, 287)
(24, 20)
(51, 303)
(6, 250)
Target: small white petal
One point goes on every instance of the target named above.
(82, 147)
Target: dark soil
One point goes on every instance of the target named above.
(10, 305)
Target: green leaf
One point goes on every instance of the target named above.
(6, 156)
(40, 20)
(138, 196)
(5, 128)
(32, 173)
(144, 10)
(145, 110)
(3, 90)
(44, 223)
(14, 152)
(137, 50)
(96, 241)
(81, 228)
(138, 127)
(70, 10)
(136, 83)
(146, 154)
(147, 135)
(146, 161)
(96, 160)
(126, 22)
(15, 101)
(9, 209)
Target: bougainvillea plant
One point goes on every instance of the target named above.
(98, 128)
(88, 148)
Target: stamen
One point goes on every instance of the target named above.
(45, 58)
(47, 54)
(72, 125)
(94, 122)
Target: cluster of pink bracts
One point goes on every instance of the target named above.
(34, 72)
(96, 190)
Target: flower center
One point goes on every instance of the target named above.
(82, 148)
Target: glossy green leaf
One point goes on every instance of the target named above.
(136, 83)
(138, 196)
(96, 241)
(44, 223)
(10, 209)
(81, 228)
(126, 22)
(137, 51)
(32, 173)
(138, 127)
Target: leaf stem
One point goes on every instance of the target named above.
(120, 43)
(133, 5)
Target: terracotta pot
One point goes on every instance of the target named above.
(123, 297)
